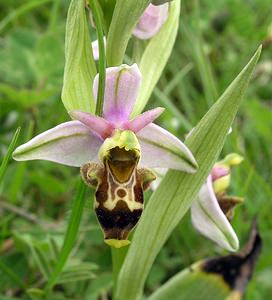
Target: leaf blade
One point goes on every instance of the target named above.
(80, 69)
(175, 194)
(6, 158)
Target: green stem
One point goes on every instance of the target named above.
(95, 8)
(71, 234)
(117, 257)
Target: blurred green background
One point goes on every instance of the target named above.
(215, 40)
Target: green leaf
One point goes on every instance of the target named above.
(125, 17)
(174, 196)
(80, 69)
(193, 285)
(156, 55)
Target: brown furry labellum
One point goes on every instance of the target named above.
(119, 199)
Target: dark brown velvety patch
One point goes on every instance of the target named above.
(117, 223)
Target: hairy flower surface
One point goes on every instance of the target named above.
(113, 152)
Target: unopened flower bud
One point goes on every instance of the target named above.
(151, 21)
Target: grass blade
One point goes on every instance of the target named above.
(6, 158)
(71, 233)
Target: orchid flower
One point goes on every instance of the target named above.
(113, 152)
(212, 210)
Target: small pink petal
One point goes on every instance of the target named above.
(151, 21)
(218, 172)
(122, 86)
(70, 143)
(143, 120)
(161, 149)
(209, 219)
(96, 124)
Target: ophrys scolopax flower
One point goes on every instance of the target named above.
(212, 210)
(113, 152)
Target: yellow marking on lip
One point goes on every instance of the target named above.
(117, 243)
(128, 186)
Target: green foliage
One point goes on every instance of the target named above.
(69, 239)
(35, 199)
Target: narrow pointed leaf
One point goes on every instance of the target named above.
(71, 234)
(80, 68)
(175, 194)
(156, 55)
(4, 163)
(125, 16)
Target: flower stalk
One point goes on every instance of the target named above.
(102, 57)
